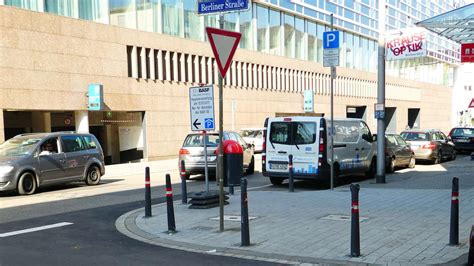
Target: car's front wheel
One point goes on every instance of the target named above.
(391, 165)
(27, 184)
(439, 158)
(93, 176)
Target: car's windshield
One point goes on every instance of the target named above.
(196, 141)
(415, 136)
(463, 132)
(247, 133)
(18, 146)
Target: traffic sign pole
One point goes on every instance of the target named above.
(220, 158)
(380, 175)
(333, 73)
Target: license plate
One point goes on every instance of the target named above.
(278, 166)
(462, 140)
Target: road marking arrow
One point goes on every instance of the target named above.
(196, 124)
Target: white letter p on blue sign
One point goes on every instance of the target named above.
(330, 39)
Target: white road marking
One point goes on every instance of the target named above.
(34, 229)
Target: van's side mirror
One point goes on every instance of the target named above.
(367, 138)
(374, 137)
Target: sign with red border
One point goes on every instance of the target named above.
(471, 105)
(467, 52)
(224, 44)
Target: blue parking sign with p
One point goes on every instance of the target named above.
(330, 39)
(209, 123)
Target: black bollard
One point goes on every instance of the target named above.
(147, 193)
(454, 228)
(355, 232)
(244, 213)
(169, 205)
(184, 190)
(291, 185)
(231, 190)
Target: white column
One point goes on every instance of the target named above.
(47, 121)
(197, 65)
(82, 121)
(239, 74)
(175, 67)
(209, 71)
(159, 56)
(182, 63)
(151, 57)
(245, 74)
(168, 66)
(143, 63)
(203, 70)
(134, 62)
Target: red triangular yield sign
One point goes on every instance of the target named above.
(223, 43)
(471, 105)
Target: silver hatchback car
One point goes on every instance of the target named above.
(29, 161)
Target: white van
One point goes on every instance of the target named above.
(307, 139)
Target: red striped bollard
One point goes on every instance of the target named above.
(291, 185)
(454, 228)
(355, 232)
(169, 205)
(184, 190)
(147, 193)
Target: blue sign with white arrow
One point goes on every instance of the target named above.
(221, 6)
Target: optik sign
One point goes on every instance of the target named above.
(411, 43)
(221, 6)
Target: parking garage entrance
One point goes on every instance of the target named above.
(121, 134)
(357, 112)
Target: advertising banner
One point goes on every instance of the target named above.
(406, 44)
(467, 52)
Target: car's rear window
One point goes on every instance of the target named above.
(248, 133)
(415, 136)
(463, 132)
(196, 140)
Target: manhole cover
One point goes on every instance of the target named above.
(338, 217)
(232, 218)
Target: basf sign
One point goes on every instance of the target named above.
(406, 44)
(467, 52)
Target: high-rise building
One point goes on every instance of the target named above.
(145, 54)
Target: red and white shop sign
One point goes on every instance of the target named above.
(406, 44)
(467, 52)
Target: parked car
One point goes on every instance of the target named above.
(398, 153)
(307, 139)
(30, 161)
(253, 136)
(192, 152)
(463, 138)
(431, 145)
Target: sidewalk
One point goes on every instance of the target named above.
(405, 221)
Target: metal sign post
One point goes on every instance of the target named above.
(206, 174)
(331, 59)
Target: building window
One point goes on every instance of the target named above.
(172, 17)
(299, 39)
(312, 42)
(245, 20)
(147, 16)
(193, 23)
(31, 5)
(262, 29)
(274, 24)
(122, 13)
(289, 36)
(66, 8)
(94, 10)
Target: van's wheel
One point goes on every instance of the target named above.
(277, 181)
(391, 165)
(372, 170)
(93, 176)
(27, 184)
(251, 168)
(412, 162)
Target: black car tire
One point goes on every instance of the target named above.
(453, 155)
(391, 165)
(412, 162)
(277, 181)
(372, 170)
(93, 176)
(439, 158)
(27, 184)
(251, 168)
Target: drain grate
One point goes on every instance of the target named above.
(232, 218)
(339, 217)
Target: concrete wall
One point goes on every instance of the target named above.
(47, 62)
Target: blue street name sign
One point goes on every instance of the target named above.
(96, 97)
(330, 39)
(221, 6)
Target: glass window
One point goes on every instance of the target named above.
(172, 17)
(122, 13)
(349, 40)
(391, 141)
(72, 143)
(66, 8)
(50, 146)
(415, 136)
(312, 42)
(89, 142)
(279, 132)
(262, 29)
(230, 21)
(245, 20)
(19, 146)
(275, 23)
(289, 36)
(95, 10)
(299, 39)
(400, 140)
(196, 140)
(147, 15)
(320, 42)
(349, 3)
(305, 132)
(193, 23)
(346, 131)
(31, 5)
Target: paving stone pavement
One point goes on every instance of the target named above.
(407, 222)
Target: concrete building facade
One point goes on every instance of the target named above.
(48, 61)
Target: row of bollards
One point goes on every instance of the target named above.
(245, 230)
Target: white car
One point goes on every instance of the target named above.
(253, 136)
